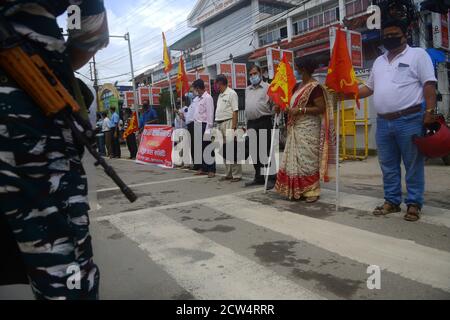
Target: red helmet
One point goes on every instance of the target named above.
(436, 143)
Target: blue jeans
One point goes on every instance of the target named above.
(394, 140)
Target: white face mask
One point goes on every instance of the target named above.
(255, 79)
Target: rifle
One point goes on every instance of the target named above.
(20, 61)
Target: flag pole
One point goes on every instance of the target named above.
(272, 147)
(338, 138)
(172, 100)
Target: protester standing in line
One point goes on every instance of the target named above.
(401, 81)
(149, 115)
(259, 115)
(106, 129)
(227, 119)
(309, 152)
(131, 139)
(203, 124)
(100, 135)
(114, 127)
(190, 125)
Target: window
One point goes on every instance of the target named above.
(355, 7)
(283, 33)
(325, 18)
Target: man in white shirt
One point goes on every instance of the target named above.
(259, 114)
(106, 129)
(401, 81)
(203, 118)
(227, 119)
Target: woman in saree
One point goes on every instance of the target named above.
(310, 147)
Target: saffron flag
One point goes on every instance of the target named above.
(182, 79)
(283, 84)
(341, 76)
(166, 56)
(133, 126)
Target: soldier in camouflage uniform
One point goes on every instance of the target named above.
(44, 223)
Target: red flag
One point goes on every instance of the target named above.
(182, 79)
(133, 126)
(341, 76)
(283, 84)
(166, 56)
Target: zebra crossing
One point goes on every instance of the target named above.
(247, 246)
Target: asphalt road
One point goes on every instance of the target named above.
(191, 237)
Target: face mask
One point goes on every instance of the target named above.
(255, 80)
(392, 43)
(297, 75)
(190, 95)
(216, 88)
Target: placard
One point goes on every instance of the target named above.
(156, 146)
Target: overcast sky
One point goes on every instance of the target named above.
(145, 20)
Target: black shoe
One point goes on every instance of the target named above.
(254, 183)
(270, 185)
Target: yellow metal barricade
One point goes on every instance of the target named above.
(348, 128)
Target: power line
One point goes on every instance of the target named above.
(230, 25)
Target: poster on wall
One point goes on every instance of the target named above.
(144, 95)
(129, 99)
(204, 76)
(354, 44)
(227, 70)
(155, 95)
(240, 75)
(440, 31)
(274, 56)
(156, 146)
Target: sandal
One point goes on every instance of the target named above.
(386, 208)
(413, 214)
(312, 199)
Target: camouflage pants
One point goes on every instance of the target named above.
(43, 198)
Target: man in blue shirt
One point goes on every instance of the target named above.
(149, 116)
(114, 126)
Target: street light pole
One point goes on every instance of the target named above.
(127, 37)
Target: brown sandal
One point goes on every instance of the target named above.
(386, 208)
(413, 214)
(312, 199)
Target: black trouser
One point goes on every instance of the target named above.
(263, 123)
(116, 153)
(132, 145)
(206, 167)
(190, 128)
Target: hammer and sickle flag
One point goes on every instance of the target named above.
(166, 56)
(283, 84)
(182, 79)
(133, 126)
(341, 76)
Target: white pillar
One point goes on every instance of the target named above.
(290, 29)
(341, 10)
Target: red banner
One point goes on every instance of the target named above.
(205, 77)
(144, 95)
(129, 99)
(274, 58)
(156, 146)
(227, 70)
(156, 92)
(240, 75)
(356, 49)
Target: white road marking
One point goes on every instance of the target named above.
(432, 215)
(204, 268)
(176, 205)
(155, 182)
(403, 257)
